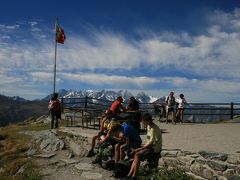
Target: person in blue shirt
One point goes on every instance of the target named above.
(132, 140)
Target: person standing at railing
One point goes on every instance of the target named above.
(133, 104)
(117, 108)
(55, 110)
(133, 113)
(170, 101)
(181, 101)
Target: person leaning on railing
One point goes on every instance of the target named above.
(117, 108)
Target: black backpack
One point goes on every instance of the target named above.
(108, 164)
(121, 169)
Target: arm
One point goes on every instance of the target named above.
(149, 143)
(120, 138)
(106, 137)
(102, 123)
(123, 108)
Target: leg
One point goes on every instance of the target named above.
(167, 117)
(56, 122)
(94, 138)
(52, 120)
(139, 156)
(134, 166)
(173, 117)
(181, 115)
(117, 152)
(122, 149)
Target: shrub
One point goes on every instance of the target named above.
(164, 174)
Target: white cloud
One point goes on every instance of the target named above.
(212, 58)
(113, 80)
(8, 28)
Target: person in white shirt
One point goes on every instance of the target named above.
(180, 108)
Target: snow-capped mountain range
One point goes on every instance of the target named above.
(105, 95)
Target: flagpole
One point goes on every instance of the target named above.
(55, 59)
(55, 65)
(59, 38)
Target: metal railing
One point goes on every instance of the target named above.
(87, 111)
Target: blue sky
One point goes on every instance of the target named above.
(189, 47)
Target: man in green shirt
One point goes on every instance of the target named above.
(151, 150)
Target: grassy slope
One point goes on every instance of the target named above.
(13, 146)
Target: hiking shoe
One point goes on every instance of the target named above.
(90, 153)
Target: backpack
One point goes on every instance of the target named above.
(108, 164)
(121, 169)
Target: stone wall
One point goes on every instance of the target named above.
(204, 164)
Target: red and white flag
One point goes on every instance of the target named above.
(60, 35)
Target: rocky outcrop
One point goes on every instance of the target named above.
(203, 165)
(44, 141)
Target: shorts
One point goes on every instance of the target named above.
(131, 145)
(151, 156)
(171, 109)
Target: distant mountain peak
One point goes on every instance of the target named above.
(104, 94)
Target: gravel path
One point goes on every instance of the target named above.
(221, 138)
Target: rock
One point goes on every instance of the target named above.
(202, 170)
(31, 151)
(216, 165)
(20, 171)
(185, 153)
(70, 161)
(46, 139)
(186, 160)
(45, 155)
(235, 177)
(200, 160)
(84, 166)
(165, 153)
(91, 175)
(221, 178)
(70, 155)
(232, 159)
(172, 162)
(229, 173)
(213, 155)
(76, 148)
(195, 177)
(238, 170)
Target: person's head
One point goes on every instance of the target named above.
(55, 96)
(120, 99)
(171, 94)
(131, 99)
(115, 125)
(108, 113)
(181, 96)
(147, 118)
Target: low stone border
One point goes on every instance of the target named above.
(203, 165)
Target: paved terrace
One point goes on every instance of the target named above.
(221, 137)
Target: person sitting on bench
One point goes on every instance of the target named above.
(151, 150)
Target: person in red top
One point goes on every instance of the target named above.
(117, 107)
(55, 110)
